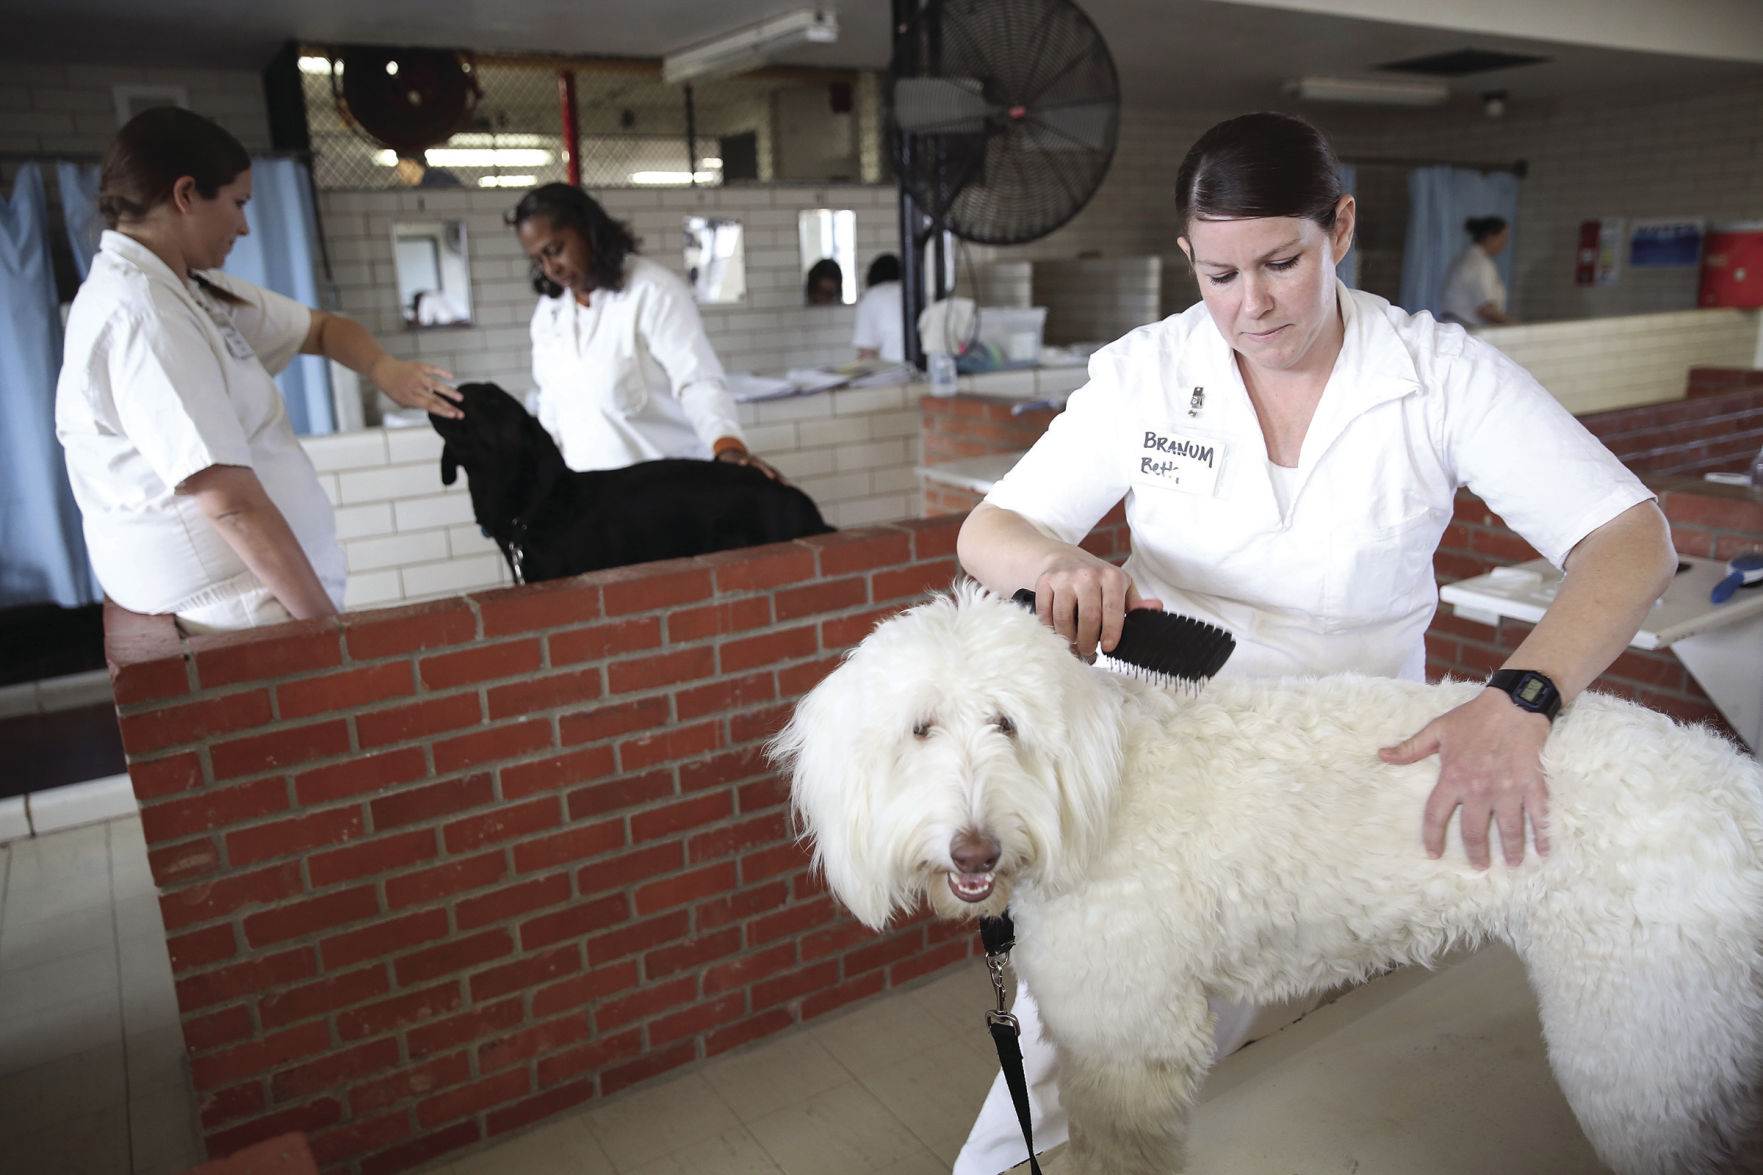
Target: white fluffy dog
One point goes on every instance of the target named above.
(1157, 848)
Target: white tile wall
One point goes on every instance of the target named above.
(1591, 365)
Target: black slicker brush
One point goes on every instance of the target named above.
(1162, 648)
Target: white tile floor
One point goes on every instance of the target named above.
(1416, 1074)
(92, 1076)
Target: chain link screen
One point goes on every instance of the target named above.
(633, 129)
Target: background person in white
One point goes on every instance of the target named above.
(1333, 431)
(881, 325)
(195, 496)
(1473, 293)
(625, 373)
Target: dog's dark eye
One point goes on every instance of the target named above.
(921, 730)
(1005, 727)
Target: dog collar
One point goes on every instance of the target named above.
(1529, 690)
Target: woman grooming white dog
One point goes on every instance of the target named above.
(1289, 453)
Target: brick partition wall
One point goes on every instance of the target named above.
(434, 872)
(1719, 427)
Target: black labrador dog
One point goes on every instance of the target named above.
(552, 521)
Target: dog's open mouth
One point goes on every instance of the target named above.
(971, 887)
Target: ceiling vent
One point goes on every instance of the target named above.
(1462, 62)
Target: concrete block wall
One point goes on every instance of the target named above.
(1099, 299)
(1592, 365)
(407, 537)
(432, 873)
(70, 109)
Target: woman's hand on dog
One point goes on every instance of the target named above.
(1490, 767)
(417, 385)
(742, 457)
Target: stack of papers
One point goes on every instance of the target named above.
(805, 381)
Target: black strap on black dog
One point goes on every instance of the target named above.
(999, 935)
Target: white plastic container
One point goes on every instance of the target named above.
(1016, 332)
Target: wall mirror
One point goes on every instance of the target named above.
(828, 235)
(434, 280)
(716, 259)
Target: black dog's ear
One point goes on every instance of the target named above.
(449, 466)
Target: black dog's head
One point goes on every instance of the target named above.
(509, 459)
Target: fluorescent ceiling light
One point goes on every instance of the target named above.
(1373, 91)
(473, 157)
(674, 178)
(752, 46)
(315, 65)
(507, 181)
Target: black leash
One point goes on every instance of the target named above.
(999, 935)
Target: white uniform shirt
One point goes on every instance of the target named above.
(1471, 283)
(881, 326)
(629, 377)
(1341, 579)
(159, 381)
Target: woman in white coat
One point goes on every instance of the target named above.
(624, 370)
(1289, 451)
(195, 496)
(1473, 293)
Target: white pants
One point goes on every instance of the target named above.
(230, 605)
(995, 1142)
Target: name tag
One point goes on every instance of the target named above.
(1181, 461)
(236, 345)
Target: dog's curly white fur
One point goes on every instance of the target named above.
(1156, 849)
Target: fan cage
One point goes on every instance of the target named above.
(1050, 96)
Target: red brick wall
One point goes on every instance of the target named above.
(434, 872)
(969, 426)
(1718, 428)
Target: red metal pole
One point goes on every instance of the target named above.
(571, 133)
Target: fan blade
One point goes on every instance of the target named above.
(926, 105)
(1078, 127)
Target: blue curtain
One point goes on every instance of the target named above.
(279, 255)
(42, 552)
(79, 208)
(1347, 268)
(1440, 199)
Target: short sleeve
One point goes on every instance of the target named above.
(1519, 450)
(275, 325)
(867, 334)
(170, 394)
(1072, 476)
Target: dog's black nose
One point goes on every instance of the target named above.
(974, 852)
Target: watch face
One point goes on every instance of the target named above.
(1531, 691)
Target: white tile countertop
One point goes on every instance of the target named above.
(978, 474)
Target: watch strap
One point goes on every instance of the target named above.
(1529, 690)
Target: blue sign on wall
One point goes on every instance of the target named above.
(1662, 244)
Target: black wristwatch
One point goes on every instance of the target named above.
(1529, 690)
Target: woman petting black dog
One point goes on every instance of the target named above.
(625, 372)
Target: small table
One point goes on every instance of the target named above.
(1720, 644)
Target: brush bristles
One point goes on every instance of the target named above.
(1162, 648)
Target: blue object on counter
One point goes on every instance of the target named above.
(1741, 570)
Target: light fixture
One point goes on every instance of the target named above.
(1371, 91)
(746, 48)
(507, 181)
(675, 178)
(316, 65)
(473, 157)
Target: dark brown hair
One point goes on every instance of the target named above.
(565, 205)
(156, 149)
(1483, 227)
(1259, 165)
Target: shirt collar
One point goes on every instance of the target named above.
(127, 249)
